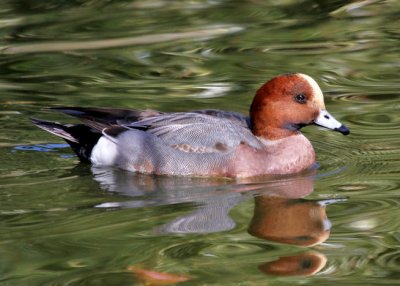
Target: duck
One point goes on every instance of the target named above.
(205, 143)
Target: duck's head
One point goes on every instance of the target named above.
(287, 103)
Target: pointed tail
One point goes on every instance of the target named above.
(80, 137)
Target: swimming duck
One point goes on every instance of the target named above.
(210, 142)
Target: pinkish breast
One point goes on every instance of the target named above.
(289, 155)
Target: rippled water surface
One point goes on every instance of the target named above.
(65, 223)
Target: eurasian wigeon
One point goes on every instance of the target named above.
(212, 143)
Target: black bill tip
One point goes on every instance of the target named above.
(343, 129)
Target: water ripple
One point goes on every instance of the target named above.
(361, 217)
(369, 97)
(207, 32)
(389, 260)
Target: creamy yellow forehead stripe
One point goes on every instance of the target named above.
(317, 92)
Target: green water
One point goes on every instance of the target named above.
(64, 223)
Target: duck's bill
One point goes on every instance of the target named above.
(326, 120)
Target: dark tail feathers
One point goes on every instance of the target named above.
(80, 137)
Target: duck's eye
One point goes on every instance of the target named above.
(300, 98)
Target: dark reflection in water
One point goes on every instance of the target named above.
(281, 214)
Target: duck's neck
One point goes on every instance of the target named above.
(273, 133)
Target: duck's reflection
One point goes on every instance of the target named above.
(287, 218)
(281, 213)
(290, 221)
(213, 199)
(304, 264)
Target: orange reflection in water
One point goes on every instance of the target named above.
(304, 264)
(290, 221)
(154, 278)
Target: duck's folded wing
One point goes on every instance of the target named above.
(198, 132)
